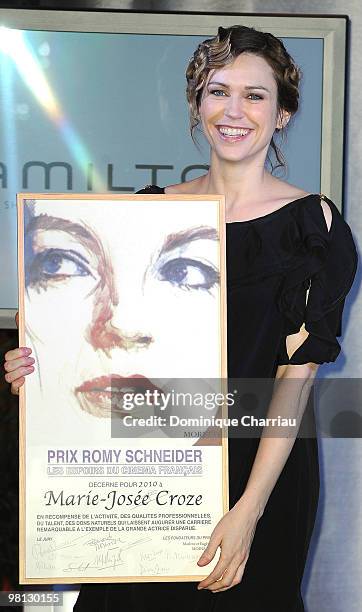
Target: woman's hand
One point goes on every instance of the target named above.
(234, 534)
(18, 364)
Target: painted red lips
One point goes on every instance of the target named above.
(115, 381)
(101, 395)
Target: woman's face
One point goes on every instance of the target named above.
(238, 109)
(118, 291)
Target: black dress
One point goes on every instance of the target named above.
(271, 262)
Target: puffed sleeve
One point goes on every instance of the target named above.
(314, 292)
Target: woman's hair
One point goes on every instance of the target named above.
(214, 53)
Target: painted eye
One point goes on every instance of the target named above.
(56, 264)
(189, 274)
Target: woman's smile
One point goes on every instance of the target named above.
(233, 134)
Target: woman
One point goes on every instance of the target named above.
(291, 262)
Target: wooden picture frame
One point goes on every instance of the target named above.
(92, 268)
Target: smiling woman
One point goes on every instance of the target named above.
(133, 305)
(255, 83)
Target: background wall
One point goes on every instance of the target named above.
(333, 579)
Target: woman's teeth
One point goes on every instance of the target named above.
(226, 131)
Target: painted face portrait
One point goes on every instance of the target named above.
(119, 295)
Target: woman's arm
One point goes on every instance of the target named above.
(234, 533)
(290, 396)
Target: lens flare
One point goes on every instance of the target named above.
(13, 44)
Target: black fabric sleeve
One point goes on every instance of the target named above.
(328, 271)
(151, 189)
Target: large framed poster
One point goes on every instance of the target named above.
(122, 301)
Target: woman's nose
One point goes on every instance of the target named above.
(117, 327)
(234, 107)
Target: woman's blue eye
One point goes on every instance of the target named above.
(56, 264)
(256, 95)
(189, 273)
(220, 93)
(217, 92)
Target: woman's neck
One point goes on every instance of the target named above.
(242, 184)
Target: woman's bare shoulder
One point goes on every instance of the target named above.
(281, 191)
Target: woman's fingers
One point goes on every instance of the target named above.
(12, 377)
(217, 572)
(235, 580)
(22, 351)
(226, 577)
(18, 364)
(15, 386)
(14, 364)
(210, 550)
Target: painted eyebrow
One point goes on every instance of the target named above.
(77, 230)
(173, 241)
(247, 87)
(203, 232)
